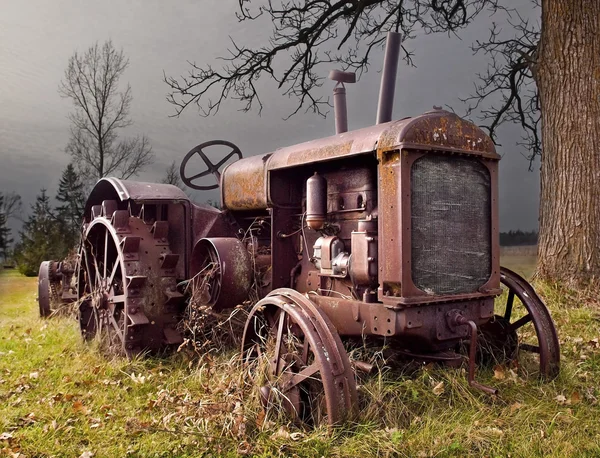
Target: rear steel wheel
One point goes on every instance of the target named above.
(297, 360)
(524, 330)
(126, 283)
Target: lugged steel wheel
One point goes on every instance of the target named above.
(524, 330)
(297, 360)
(126, 282)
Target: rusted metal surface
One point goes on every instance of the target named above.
(545, 348)
(228, 261)
(127, 284)
(244, 184)
(44, 289)
(125, 190)
(418, 329)
(396, 224)
(305, 359)
(54, 286)
(456, 319)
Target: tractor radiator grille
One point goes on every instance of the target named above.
(451, 219)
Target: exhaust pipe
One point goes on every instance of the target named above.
(388, 78)
(339, 98)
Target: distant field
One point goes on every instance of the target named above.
(521, 259)
(60, 397)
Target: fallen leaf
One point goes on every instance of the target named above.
(86, 455)
(499, 373)
(438, 389)
(5, 436)
(515, 406)
(561, 399)
(34, 375)
(281, 433)
(79, 407)
(140, 379)
(260, 419)
(296, 436)
(575, 397)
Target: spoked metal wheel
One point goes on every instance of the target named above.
(126, 283)
(297, 361)
(523, 331)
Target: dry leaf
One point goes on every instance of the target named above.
(86, 455)
(79, 407)
(141, 379)
(515, 406)
(281, 433)
(560, 399)
(34, 375)
(438, 389)
(5, 436)
(260, 419)
(575, 397)
(499, 373)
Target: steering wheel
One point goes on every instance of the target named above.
(211, 168)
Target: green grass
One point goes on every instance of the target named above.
(61, 397)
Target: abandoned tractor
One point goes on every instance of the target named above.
(388, 233)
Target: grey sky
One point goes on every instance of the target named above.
(37, 38)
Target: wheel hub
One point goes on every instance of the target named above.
(100, 300)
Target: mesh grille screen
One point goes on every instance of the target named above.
(451, 219)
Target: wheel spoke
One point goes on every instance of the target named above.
(278, 341)
(206, 160)
(530, 348)
(301, 376)
(89, 273)
(222, 161)
(116, 327)
(112, 274)
(105, 252)
(519, 323)
(200, 175)
(97, 270)
(305, 352)
(509, 305)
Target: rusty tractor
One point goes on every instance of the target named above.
(389, 232)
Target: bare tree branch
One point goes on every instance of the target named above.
(11, 206)
(91, 82)
(306, 35)
(507, 91)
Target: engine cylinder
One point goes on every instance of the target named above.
(316, 201)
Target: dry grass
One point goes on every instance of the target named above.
(60, 397)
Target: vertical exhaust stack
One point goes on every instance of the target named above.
(388, 78)
(339, 98)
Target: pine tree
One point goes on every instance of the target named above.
(5, 239)
(70, 214)
(41, 238)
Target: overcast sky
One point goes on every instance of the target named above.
(37, 37)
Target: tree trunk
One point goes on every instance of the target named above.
(568, 79)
